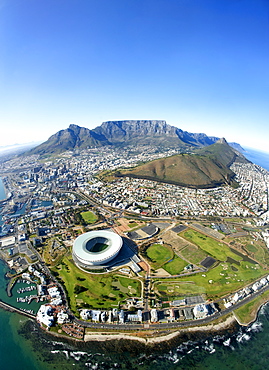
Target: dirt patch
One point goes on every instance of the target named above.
(143, 266)
(176, 242)
(125, 224)
(161, 272)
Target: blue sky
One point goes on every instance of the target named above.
(201, 65)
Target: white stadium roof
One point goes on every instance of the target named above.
(85, 243)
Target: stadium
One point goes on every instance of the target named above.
(96, 248)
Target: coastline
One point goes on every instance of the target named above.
(150, 337)
(156, 339)
(153, 337)
(56, 346)
(5, 190)
(255, 313)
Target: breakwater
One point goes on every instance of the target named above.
(10, 308)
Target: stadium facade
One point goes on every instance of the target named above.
(96, 248)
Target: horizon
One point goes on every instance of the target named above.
(202, 65)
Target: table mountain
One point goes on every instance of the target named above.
(154, 132)
(122, 133)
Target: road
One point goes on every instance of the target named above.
(171, 325)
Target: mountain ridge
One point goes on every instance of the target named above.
(123, 133)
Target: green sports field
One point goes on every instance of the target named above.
(176, 266)
(89, 217)
(159, 254)
(163, 256)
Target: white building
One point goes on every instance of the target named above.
(200, 311)
(54, 292)
(154, 315)
(45, 315)
(26, 276)
(87, 249)
(256, 286)
(135, 317)
(56, 301)
(121, 317)
(85, 314)
(227, 304)
(62, 317)
(103, 316)
(96, 315)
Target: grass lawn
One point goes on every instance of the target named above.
(159, 254)
(233, 219)
(251, 248)
(229, 275)
(255, 248)
(178, 290)
(89, 217)
(260, 253)
(193, 254)
(132, 224)
(220, 280)
(99, 247)
(215, 248)
(130, 286)
(176, 266)
(127, 282)
(223, 279)
(53, 251)
(247, 313)
(94, 290)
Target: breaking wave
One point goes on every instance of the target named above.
(181, 355)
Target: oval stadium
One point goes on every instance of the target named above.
(96, 248)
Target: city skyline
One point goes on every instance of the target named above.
(201, 66)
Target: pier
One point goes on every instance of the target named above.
(7, 307)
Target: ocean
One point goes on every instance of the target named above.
(24, 346)
(257, 157)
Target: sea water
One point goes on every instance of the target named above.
(257, 157)
(22, 346)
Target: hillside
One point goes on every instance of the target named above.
(74, 137)
(207, 168)
(222, 152)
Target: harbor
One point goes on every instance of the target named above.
(23, 294)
